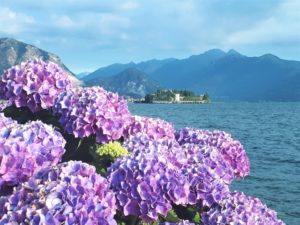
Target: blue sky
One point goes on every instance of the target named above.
(87, 34)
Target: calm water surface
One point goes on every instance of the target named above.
(270, 133)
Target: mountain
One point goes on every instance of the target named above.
(129, 82)
(224, 75)
(13, 52)
(147, 67)
(234, 76)
(82, 75)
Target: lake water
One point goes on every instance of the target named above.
(270, 133)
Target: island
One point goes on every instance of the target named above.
(174, 97)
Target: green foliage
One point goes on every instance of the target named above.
(206, 97)
(172, 217)
(191, 213)
(148, 98)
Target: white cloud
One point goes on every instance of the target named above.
(124, 30)
(91, 23)
(130, 5)
(64, 21)
(282, 26)
(14, 23)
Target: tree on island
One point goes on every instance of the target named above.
(206, 97)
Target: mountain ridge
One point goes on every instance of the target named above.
(226, 75)
(130, 82)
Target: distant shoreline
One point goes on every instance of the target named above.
(173, 102)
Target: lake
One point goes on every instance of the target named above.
(270, 133)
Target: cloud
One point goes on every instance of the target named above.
(64, 21)
(129, 5)
(282, 26)
(71, 6)
(98, 32)
(14, 23)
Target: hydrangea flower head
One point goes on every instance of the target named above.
(146, 184)
(238, 208)
(208, 173)
(34, 84)
(183, 222)
(153, 128)
(93, 111)
(24, 149)
(204, 168)
(166, 148)
(232, 150)
(71, 193)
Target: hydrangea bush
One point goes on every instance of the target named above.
(150, 173)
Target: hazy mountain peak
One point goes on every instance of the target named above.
(7, 39)
(131, 70)
(82, 74)
(233, 52)
(129, 82)
(214, 52)
(270, 56)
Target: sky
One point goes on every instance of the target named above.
(88, 34)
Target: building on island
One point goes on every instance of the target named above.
(176, 97)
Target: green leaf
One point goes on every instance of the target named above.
(172, 217)
(197, 218)
(79, 143)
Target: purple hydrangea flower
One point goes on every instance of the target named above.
(209, 175)
(34, 84)
(153, 128)
(71, 193)
(4, 104)
(146, 183)
(204, 168)
(183, 222)
(93, 111)
(27, 148)
(232, 150)
(167, 148)
(238, 208)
